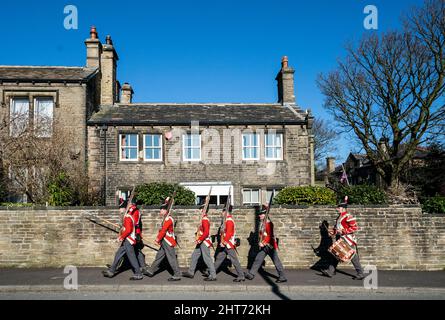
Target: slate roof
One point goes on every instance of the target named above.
(206, 114)
(45, 74)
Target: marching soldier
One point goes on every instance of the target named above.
(127, 237)
(345, 226)
(203, 244)
(228, 246)
(167, 241)
(268, 246)
(138, 230)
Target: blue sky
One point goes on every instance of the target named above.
(200, 51)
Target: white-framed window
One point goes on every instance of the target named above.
(274, 146)
(251, 196)
(18, 116)
(191, 147)
(43, 117)
(152, 147)
(220, 191)
(128, 147)
(251, 146)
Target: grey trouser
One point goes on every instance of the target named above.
(166, 251)
(126, 249)
(202, 249)
(273, 254)
(355, 262)
(222, 254)
(139, 255)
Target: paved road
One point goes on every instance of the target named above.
(93, 276)
(302, 284)
(303, 295)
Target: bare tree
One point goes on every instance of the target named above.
(324, 137)
(392, 87)
(33, 157)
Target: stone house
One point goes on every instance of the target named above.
(252, 148)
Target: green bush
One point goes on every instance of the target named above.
(155, 194)
(363, 194)
(306, 196)
(434, 205)
(60, 191)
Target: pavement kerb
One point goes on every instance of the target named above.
(211, 288)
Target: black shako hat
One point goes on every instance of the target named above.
(262, 210)
(123, 204)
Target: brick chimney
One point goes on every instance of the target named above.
(330, 165)
(127, 93)
(108, 63)
(285, 79)
(94, 49)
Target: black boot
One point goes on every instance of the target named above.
(188, 275)
(108, 274)
(249, 276)
(147, 272)
(137, 277)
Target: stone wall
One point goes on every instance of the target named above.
(389, 237)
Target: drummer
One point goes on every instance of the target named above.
(345, 227)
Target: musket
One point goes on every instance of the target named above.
(116, 228)
(263, 223)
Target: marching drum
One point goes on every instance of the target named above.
(342, 250)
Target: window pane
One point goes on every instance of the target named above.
(269, 139)
(195, 139)
(133, 153)
(19, 116)
(148, 140)
(156, 153)
(156, 140)
(278, 139)
(255, 196)
(255, 139)
(254, 153)
(43, 117)
(246, 196)
(196, 155)
(132, 140)
(246, 140)
(269, 152)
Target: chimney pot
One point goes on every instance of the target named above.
(127, 93)
(93, 32)
(109, 40)
(285, 62)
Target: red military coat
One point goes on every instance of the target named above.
(167, 232)
(267, 236)
(346, 226)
